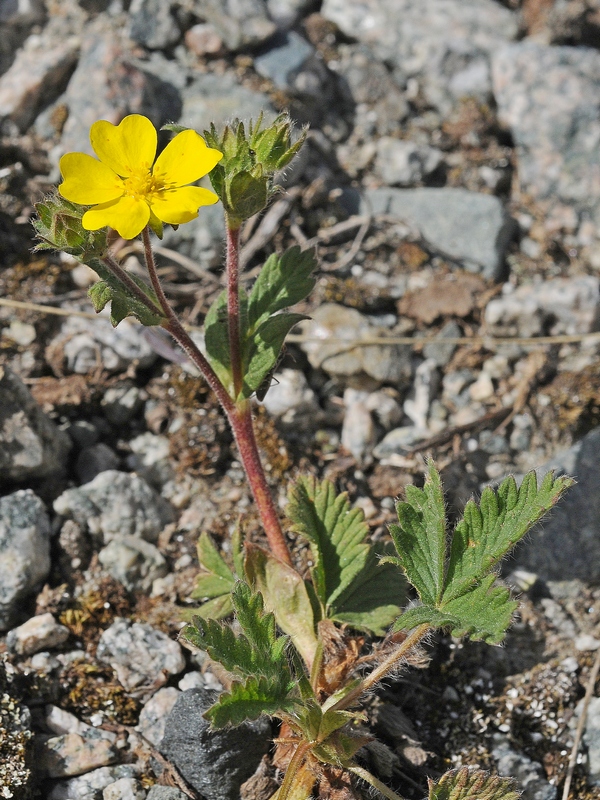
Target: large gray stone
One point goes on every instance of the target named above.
(24, 551)
(468, 227)
(215, 762)
(31, 446)
(547, 97)
(566, 544)
(152, 24)
(241, 23)
(445, 44)
(220, 98)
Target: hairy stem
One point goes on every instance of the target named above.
(118, 271)
(381, 787)
(383, 669)
(233, 306)
(292, 770)
(239, 415)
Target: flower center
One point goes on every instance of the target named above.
(142, 184)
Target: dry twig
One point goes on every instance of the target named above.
(589, 691)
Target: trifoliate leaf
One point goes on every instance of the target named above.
(472, 784)
(462, 595)
(215, 584)
(249, 700)
(261, 349)
(282, 282)
(349, 583)
(286, 595)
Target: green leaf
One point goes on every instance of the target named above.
(249, 700)
(349, 583)
(490, 530)
(216, 341)
(282, 282)
(472, 784)
(215, 584)
(463, 595)
(123, 302)
(420, 538)
(286, 595)
(261, 349)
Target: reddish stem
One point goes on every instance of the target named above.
(233, 306)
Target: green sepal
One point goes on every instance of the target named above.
(156, 225)
(59, 226)
(247, 193)
(472, 784)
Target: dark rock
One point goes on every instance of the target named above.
(31, 446)
(566, 544)
(24, 551)
(215, 763)
(165, 793)
(468, 227)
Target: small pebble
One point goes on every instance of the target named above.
(42, 632)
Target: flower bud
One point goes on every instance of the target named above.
(243, 179)
(58, 225)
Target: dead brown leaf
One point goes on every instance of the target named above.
(446, 296)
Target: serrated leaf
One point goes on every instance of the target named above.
(489, 530)
(262, 348)
(216, 341)
(123, 303)
(420, 538)
(286, 595)
(215, 584)
(282, 282)
(348, 581)
(249, 700)
(218, 608)
(472, 784)
(257, 651)
(465, 598)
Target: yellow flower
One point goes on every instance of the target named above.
(127, 192)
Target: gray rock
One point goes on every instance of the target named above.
(442, 353)
(220, 98)
(22, 11)
(558, 306)
(76, 753)
(425, 388)
(214, 762)
(121, 402)
(282, 62)
(41, 632)
(591, 738)
(403, 163)
(37, 76)
(290, 396)
(546, 97)
(399, 441)
(139, 654)
(133, 562)
(468, 227)
(203, 39)
(358, 429)
(241, 23)
(330, 321)
(94, 460)
(566, 544)
(150, 458)
(16, 737)
(151, 23)
(124, 789)
(24, 551)
(445, 44)
(528, 774)
(84, 342)
(165, 793)
(108, 85)
(153, 715)
(287, 12)
(91, 785)
(31, 446)
(115, 504)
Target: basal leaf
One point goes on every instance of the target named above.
(489, 530)
(420, 537)
(282, 282)
(262, 347)
(215, 584)
(286, 596)
(212, 561)
(472, 784)
(249, 700)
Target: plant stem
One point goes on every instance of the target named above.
(233, 305)
(239, 415)
(383, 669)
(381, 787)
(292, 770)
(118, 271)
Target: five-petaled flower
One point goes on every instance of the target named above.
(127, 192)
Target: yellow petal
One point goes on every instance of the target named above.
(177, 206)
(185, 159)
(128, 147)
(128, 216)
(88, 181)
